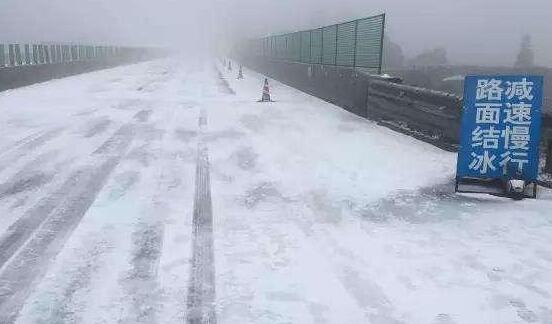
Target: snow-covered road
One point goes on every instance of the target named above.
(162, 192)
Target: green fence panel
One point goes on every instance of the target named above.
(66, 53)
(358, 43)
(290, 51)
(329, 42)
(59, 54)
(370, 43)
(305, 47)
(278, 47)
(35, 54)
(53, 54)
(74, 54)
(2, 56)
(296, 47)
(346, 38)
(18, 56)
(47, 58)
(27, 52)
(11, 55)
(316, 46)
(285, 47)
(41, 59)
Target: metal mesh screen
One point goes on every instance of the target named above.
(357, 43)
(27, 51)
(316, 46)
(2, 55)
(305, 46)
(12, 55)
(370, 42)
(329, 42)
(18, 56)
(346, 44)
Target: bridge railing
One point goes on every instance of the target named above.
(13, 55)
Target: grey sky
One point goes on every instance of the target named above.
(473, 31)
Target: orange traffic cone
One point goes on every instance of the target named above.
(266, 92)
(240, 73)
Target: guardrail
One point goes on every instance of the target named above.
(13, 55)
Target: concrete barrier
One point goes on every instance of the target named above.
(18, 76)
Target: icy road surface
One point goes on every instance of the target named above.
(163, 192)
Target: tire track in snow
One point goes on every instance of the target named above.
(62, 309)
(201, 290)
(223, 84)
(36, 238)
(141, 280)
(27, 145)
(19, 232)
(31, 176)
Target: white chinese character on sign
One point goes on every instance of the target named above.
(519, 114)
(520, 158)
(487, 138)
(489, 89)
(516, 137)
(522, 89)
(482, 163)
(487, 113)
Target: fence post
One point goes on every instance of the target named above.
(300, 47)
(381, 44)
(322, 45)
(336, 31)
(355, 49)
(310, 46)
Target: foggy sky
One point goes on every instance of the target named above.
(473, 31)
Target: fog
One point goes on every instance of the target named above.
(486, 32)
